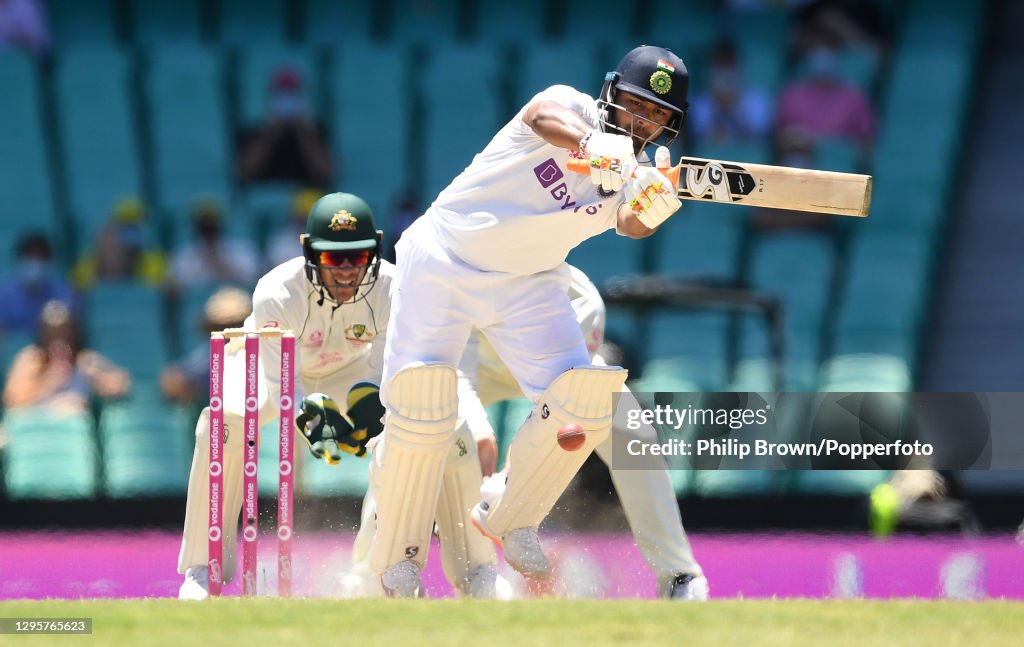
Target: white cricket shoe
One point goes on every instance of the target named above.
(402, 580)
(691, 588)
(196, 585)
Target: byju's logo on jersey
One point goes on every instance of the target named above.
(550, 175)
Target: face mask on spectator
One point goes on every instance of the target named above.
(33, 271)
(822, 64)
(286, 105)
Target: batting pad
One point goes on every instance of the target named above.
(195, 542)
(540, 470)
(408, 463)
(462, 547)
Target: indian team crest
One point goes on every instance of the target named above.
(661, 81)
(343, 220)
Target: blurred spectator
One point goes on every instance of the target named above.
(23, 25)
(845, 23)
(289, 144)
(33, 284)
(187, 380)
(58, 372)
(729, 110)
(822, 104)
(211, 258)
(121, 251)
(284, 243)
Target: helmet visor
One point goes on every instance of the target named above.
(354, 257)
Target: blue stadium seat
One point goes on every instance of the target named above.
(192, 151)
(49, 455)
(684, 349)
(159, 22)
(608, 255)
(466, 76)
(243, 22)
(99, 136)
(76, 23)
(124, 321)
(569, 61)
(702, 240)
(147, 447)
(331, 23)
(372, 161)
(413, 21)
(25, 179)
(511, 22)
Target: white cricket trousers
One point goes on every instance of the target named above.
(438, 300)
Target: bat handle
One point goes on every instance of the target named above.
(582, 166)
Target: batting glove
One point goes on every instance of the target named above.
(652, 197)
(327, 431)
(611, 159)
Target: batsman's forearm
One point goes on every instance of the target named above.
(556, 124)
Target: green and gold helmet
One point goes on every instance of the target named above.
(340, 229)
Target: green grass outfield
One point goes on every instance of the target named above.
(530, 623)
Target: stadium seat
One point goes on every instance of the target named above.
(468, 77)
(685, 31)
(372, 161)
(147, 447)
(608, 255)
(569, 61)
(329, 22)
(242, 22)
(124, 321)
(413, 21)
(512, 22)
(25, 180)
(98, 133)
(192, 151)
(836, 482)
(76, 23)
(701, 241)
(686, 351)
(161, 22)
(49, 455)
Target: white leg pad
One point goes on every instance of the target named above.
(540, 470)
(463, 548)
(408, 463)
(195, 542)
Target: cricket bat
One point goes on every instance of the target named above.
(763, 185)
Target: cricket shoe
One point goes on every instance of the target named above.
(691, 588)
(484, 583)
(521, 546)
(196, 585)
(402, 580)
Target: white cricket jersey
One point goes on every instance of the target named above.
(516, 208)
(336, 345)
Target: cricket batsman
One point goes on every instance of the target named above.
(489, 255)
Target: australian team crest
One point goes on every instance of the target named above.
(358, 330)
(343, 220)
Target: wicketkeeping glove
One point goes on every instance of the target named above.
(611, 159)
(365, 410)
(327, 431)
(651, 196)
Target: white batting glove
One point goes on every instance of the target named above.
(651, 196)
(611, 159)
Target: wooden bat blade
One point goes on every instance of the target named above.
(776, 187)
